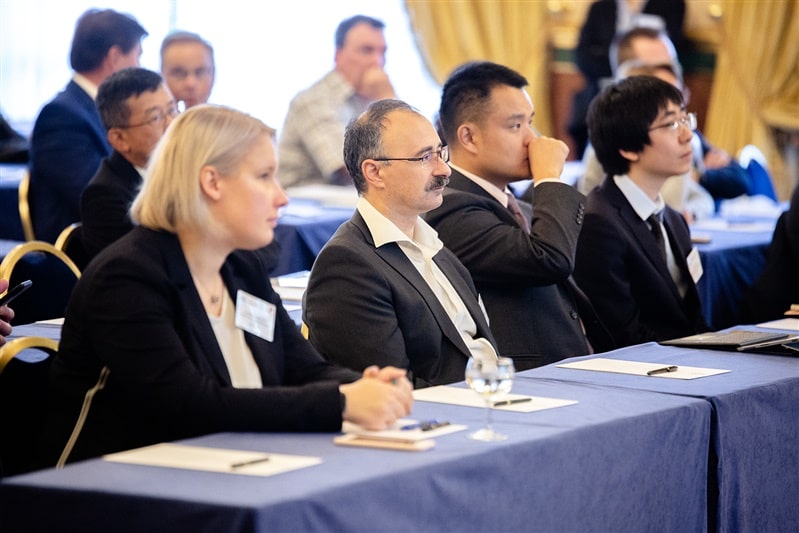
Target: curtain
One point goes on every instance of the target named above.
(756, 88)
(513, 33)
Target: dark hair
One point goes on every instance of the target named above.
(347, 24)
(96, 32)
(621, 48)
(185, 37)
(113, 93)
(620, 116)
(363, 138)
(467, 92)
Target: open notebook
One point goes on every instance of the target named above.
(742, 341)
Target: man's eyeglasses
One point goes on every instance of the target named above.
(158, 117)
(181, 74)
(425, 159)
(688, 120)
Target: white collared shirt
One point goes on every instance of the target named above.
(84, 83)
(644, 207)
(420, 251)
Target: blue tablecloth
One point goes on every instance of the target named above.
(754, 432)
(619, 460)
(732, 261)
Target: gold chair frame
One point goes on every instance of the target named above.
(15, 346)
(24, 207)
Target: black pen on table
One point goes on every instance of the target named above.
(241, 464)
(500, 403)
(663, 370)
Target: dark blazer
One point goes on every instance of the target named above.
(135, 311)
(105, 203)
(533, 305)
(370, 306)
(621, 270)
(777, 287)
(67, 145)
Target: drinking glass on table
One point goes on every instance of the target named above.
(491, 379)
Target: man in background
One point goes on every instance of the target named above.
(313, 133)
(384, 289)
(522, 270)
(68, 140)
(136, 108)
(187, 65)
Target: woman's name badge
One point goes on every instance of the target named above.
(255, 315)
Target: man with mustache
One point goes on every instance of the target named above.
(384, 290)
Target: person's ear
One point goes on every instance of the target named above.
(629, 156)
(210, 182)
(372, 173)
(468, 136)
(117, 139)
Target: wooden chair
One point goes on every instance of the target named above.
(53, 275)
(24, 395)
(24, 207)
(70, 242)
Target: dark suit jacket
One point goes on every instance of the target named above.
(67, 145)
(135, 310)
(778, 285)
(370, 306)
(533, 305)
(105, 203)
(621, 270)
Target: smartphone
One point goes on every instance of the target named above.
(12, 294)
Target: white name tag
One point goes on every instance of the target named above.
(695, 265)
(255, 315)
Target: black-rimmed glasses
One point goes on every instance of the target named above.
(425, 159)
(157, 117)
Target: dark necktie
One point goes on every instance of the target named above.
(655, 221)
(513, 207)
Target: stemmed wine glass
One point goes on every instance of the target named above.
(491, 379)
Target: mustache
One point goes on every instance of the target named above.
(438, 181)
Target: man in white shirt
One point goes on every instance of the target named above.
(313, 133)
(384, 290)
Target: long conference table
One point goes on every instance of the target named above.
(635, 453)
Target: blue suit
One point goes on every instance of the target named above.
(67, 146)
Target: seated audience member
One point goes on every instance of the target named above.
(187, 65)
(384, 290)
(634, 257)
(778, 285)
(714, 176)
(521, 264)
(69, 141)
(6, 315)
(174, 330)
(313, 133)
(136, 108)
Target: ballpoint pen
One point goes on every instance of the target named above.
(241, 464)
(500, 403)
(664, 370)
(427, 425)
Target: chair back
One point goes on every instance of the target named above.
(53, 275)
(24, 369)
(24, 207)
(70, 242)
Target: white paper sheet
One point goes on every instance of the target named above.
(790, 324)
(467, 397)
(396, 433)
(638, 368)
(171, 455)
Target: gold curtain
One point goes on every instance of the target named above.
(513, 33)
(756, 87)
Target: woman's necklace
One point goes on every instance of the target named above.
(214, 297)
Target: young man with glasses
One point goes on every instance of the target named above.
(384, 290)
(520, 255)
(634, 255)
(136, 108)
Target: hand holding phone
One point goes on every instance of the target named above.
(12, 294)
